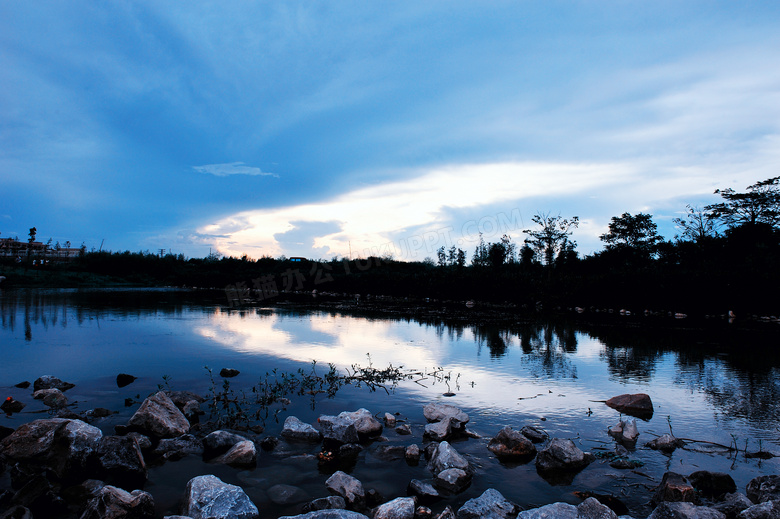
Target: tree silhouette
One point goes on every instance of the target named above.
(638, 232)
(552, 236)
(760, 204)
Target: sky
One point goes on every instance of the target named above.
(351, 128)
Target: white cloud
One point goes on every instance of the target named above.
(232, 168)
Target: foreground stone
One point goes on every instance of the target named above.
(173, 449)
(286, 494)
(765, 510)
(159, 417)
(763, 488)
(219, 442)
(424, 490)
(511, 445)
(327, 514)
(684, 510)
(491, 504)
(51, 397)
(326, 503)
(733, 504)
(712, 484)
(453, 480)
(120, 462)
(436, 412)
(562, 454)
(535, 434)
(399, 508)
(296, 430)
(591, 508)
(51, 382)
(445, 457)
(674, 487)
(11, 405)
(208, 497)
(337, 430)
(366, 425)
(665, 443)
(115, 503)
(348, 487)
(639, 405)
(625, 431)
(241, 454)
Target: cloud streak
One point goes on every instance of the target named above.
(232, 168)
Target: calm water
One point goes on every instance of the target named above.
(713, 385)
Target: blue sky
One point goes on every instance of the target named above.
(316, 128)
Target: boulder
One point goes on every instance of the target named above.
(62, 445)
(219, 442)
(592, 508)
(390, 420)
(453, 480)
(17, 512)
(180, 398)
(228, 372)
(638, 405)
(366, 425)
(535, 434)
(10, 405)
(123, 379)
(443, 430)
(398, 508)
(208, 497)
(424, 490)
(51, 397)
(554, 510)
(286, 494)
(40, 497)
(511, 445)
(625, 431)
(296, 430)
(337, 430)
(120, 462)
(665, 443)
(242, 454)
(403, 429)
(765, 510)
(436, 412)
(684, 510)
(158, 417)
(761, 489)
(446, 457)
(351, 489)
(390, 452)
(5, 431)
(177, 448)
(562, 455)
(115, 503)
(447, 513)
(192, 412)
(327, 514)
(490, 505)
(326, 503)
(412, 454)
(674, 487)
(712, 484)
(50, 382)
(733, 504)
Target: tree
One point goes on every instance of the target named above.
(552, 235)
(481, 257)
(760, 204)
(638, 232)
(441, 256)
(31, 240)
(697, 225)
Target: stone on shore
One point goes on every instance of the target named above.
(287, 494)
(327, 514)
(219, 442)
(424, 490)
(366, 425)
(208, 497)
(443, 430)
(551, 511)
(325, 503)
(684, 510)
(436, 412)
(665, 443)
(712, 484)
(511, 445)
(51, 397)
(490, 505)
(674, 487)
(412, 454)
(763, 488)
(120, 462)
(114, 503)
(535, 434)
(242, 454)
(390, 420)
(51, 382)
(444, 457)
(296, 430)
(159, 417)
(453, 480)
(765, 510)
(733, 504)
(398, 508)
(562, 455)
(639, 405)
(177, 448)
(348, 487)
(337, 430)
(625, 431)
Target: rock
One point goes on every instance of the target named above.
(17, 512)
(436, 412)
(398, 508)
(447, 513)
(327, 514)
(23, 385)
(438, 431)
(64, 446)
(337, 430)
(10, 405)
(326, 503)
(453, 480)
(120, 462)
(412, 454)
(178, 448)
(592, 508)
(535, 434)
(241, 454)
(349, 450)
(191, 411)
(712, 484)
(115, 503)
(351, 489)
(296, 430)
(446, 457)
(269, 443)
(674, 487)
(41, 498)
(286, 494)
(638, 405)
(5, 432)
(403, 429)
(390, 452)
(423, 512)
(424, 490)
(765, 510)
(208, 497)
(228, 372)
(684, 510)
(158, 417)
(390, 420)
(50, 382)
(366, 425)
(180, 398)
(219, 442)
(51, 397)
(625, 431)
(123, 380)
(490, 505)
(624, 464)
(511, 445)
(761, 489)
(554, 510)
(562, 454)
(666, 443)
(99, 412)
(733, 504)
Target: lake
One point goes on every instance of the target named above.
(710, 381)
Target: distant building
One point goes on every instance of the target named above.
(13, 248)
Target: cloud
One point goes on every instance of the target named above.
(232, 168)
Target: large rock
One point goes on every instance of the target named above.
(366, 425)
(51, 397)
(327, 514)
(443, 430)
(638, 405)
(338, 430)
(296, 430)
(684, 510)
(446, 457)
(436, 412)
(665, 443)
(120, 462)
(51, 382)
(177, 448)
(351, 489)
(712, 484)
(219, 442)
(763, 488)
(592, 508)
(511, 445)
(208, 497)
(490, 505)
(286, 494)
(62, 445)
(398, 508)
(453, 480)
(159, 417)
(242, 454)
(535, 434)
(115, 503)
(733, 504)
(674, 487)
(765, 510)
(325, 503)
(424, 490)
(551, 511)
(562, 455)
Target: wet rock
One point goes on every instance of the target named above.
(64, 446)
(535, 434)
(99, 412)
(296, 430)
(412, 454)
(403, 429)
(765, 510)
(491, 505)
(453, 480)
(219, 442)
(390, 452)
(11, 405)
(17, 512)
(79, 495)
(390, 420)
(436, 412)
(50, 382)
(624, 463)
(120, 462)
(712, 484)
(228, 372)
(351, 489)
(398, 508)
(286, 494)
(337, 430)
(733, 504)
(269, 443)
(51, 397)
(326, 503)
(447, 513)
(511, 445)
(762, 488)
(123, 380)
(350, 451)
(665, 443)
(554, 510)
(424, 490)
(327, 514)
(684, 510)
(674, 487)
(592, 508)
(625, 431)
(208, 497)
(23, 385)
(430, 450)
(241, 454)
(115, 503)
(40, 497)
(374, 498)
(192, 412)
(366, 425)
(180, 398)
(144, 443)
(562, 455)
(5, 432)
(158, 417)
(177, 448)
(423, 512)
(446, 457)
(639, 405)
(442, 430)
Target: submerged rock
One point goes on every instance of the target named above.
(712, 484)
(177, 448)
(208, 497)
(665, 443)
(243, 453)
(511, 445)
(639, 405)
(287, 494)
(398, 508)
(51, 397)
(123, 380)
(684, 510)
(453, 480)
(120, 462)
(115, 503)
(535, 434)
(562, 454)
(10, 405)
(348, 487)
(674, 487)
(51, 382)
(424, 490)
(159, 417)
(296, 430)
(219, 442)
(327, 514)
(326, 503)
(763, 488)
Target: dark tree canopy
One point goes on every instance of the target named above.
(552, 236)
(759, 204)
(636, 232)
